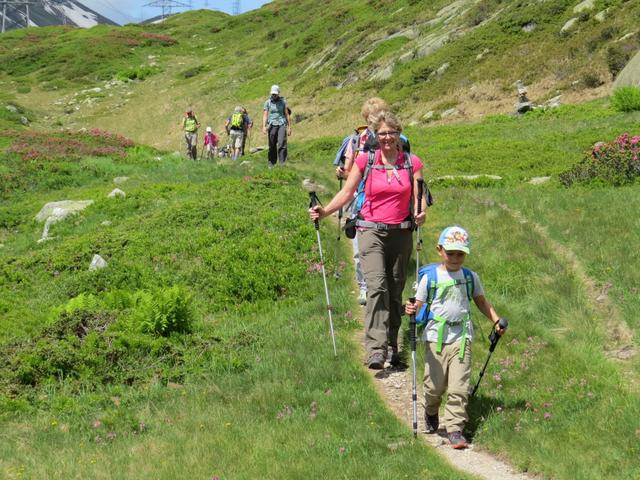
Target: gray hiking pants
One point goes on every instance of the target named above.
(277, 144)
(191, 139)
(384, 257)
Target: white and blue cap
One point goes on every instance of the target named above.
(455, 238)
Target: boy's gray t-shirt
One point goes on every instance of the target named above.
(451, 303)
(276, 111)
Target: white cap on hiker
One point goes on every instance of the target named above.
(275, 90)
(455, 238)
(208, 129)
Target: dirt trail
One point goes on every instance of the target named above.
(394, 386)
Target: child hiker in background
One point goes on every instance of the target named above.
(211, 144)
(446, 289)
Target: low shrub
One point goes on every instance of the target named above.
(616, 163)
(626, 99)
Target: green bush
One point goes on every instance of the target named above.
(626, 99)
(617, 58)
(161, 311)
(136, 73)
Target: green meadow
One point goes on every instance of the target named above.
(203, 350)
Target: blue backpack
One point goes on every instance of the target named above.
(431, 270)
(352, 139)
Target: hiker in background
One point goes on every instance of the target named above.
(276, 123)
(211, 144)
(447, 288)
(351, 147)
(235, 127)
(190, 127)
(248, 126)
(384, 232)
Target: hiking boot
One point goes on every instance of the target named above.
(457, 440)
(376, 361)
(362, 298)
(432, 422)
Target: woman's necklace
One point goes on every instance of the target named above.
(390, 168)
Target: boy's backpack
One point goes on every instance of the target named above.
(431, 271)
(425, 315)
(237, 121)
(356, 204)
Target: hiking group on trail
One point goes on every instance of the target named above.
(276, 124)
(385, 204)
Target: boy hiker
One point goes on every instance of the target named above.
(211, 144)
(276, 123)
(235, 127)
(190, 126)
(447, 288)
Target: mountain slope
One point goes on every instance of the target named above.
(457, 60)
(49, 13)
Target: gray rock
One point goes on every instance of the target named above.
(106, 223)
(569, 25)
(383, 74)
(469, 177)
(97, 262)
(539, 180)
(584, 6)
(452, 112)
(443, 68)
(601, 16)
(116, 192)
(529, 27)
(553, 102)
(482, 54)
(120, 180)
(24, 120)
(427, 117)
(12, 108)
(62, 209)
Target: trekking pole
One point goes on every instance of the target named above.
(414, 393)
(339, 211)
(313, 202)
(418, 239)
(494, 338)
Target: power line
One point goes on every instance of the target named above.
(167, 6)
(235, 7)
(16, 4)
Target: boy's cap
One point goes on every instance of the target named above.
(455, 238)
(275, 90)
(208, 129)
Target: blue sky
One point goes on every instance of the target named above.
(127, 11)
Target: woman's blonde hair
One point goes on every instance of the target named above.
(384, 116)
(371, 106)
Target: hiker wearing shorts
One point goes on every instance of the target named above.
(384, 232)
(248, 126)
(447, 288)
(235, 126)
(276, 124)
(190, 127)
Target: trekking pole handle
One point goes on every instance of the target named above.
(494, 338)
(420, 192)
(313, 201)
(412, 326)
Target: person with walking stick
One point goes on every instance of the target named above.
(384, 227)
(442, 303)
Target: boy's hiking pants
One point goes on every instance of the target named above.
(384, 258)
(445, 371)
(277, 144)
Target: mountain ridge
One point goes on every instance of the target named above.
(48, 13)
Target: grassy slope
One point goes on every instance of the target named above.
(208, 67)
(215, 417)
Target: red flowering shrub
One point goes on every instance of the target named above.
(615, 163)
(30, 145)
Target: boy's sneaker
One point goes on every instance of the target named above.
(457, 440)
(432, 423)
(376, 361)
(362, 298)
